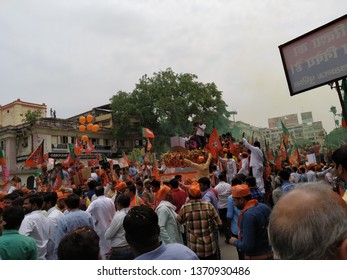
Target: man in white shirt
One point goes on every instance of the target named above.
(35, 224)
(102, 209)
(54, 215)
(244, 164)
(200, 134)
(231, 168)
(116, 234)
(224, 191)
(256, 162)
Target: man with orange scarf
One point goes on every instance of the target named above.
(253, 222)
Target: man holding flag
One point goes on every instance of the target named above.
(256, 162)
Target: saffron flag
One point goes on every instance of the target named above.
(89, 147)
(78, 147)
(278, 162)
(125, 157)
(285, 134)
(149, 145)
(147, 133)
(72, 151)
(36, 157)
(295, 158)
(66, 163)
(231, 146)
(214, 144)
(283, 151)
(269, 154)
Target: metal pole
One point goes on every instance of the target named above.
(344, 115)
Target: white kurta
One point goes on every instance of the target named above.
(36, 225)
(102, 209)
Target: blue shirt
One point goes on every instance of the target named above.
(70, 221)
(209, 196)
(253, 229)
(233, 214)
(287, 186)
(173, 251)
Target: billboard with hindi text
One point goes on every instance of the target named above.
(316, 58)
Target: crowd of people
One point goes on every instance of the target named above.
(298, 212)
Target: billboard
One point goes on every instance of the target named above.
(317, 57)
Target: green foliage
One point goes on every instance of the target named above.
(32, 116)
(301, 143)
(168, 104)
(336, 137)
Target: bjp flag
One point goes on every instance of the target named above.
(147, 133)
(214, 144)
(149, 145)
(36, 157)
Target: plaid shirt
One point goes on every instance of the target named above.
(201, 221)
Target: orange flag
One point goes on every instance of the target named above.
(278, 162)
(231, 146)
(295, 158)
(36, 157)
(283, 152)
(67, 161)
(78, 147)
(214, 144)
(146, 132)
(149, 145)
(89, 148)
(155, 172)
(125, 157)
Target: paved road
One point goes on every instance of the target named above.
(228, 252)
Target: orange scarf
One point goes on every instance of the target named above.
(250, 203)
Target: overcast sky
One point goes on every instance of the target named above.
(73, 55)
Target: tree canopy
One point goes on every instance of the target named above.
(168, 104)
(336, 138)
(32, 116)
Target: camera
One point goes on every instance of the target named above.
(104, 164)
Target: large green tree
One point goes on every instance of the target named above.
(168, 104)
(336, 138)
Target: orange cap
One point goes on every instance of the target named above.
(162, 192)
(194, 189)
(240, 191)
(121, 186)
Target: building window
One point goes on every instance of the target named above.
(64, 139)
(105, 123)
(107, 142)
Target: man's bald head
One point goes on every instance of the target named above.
(309, 222)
